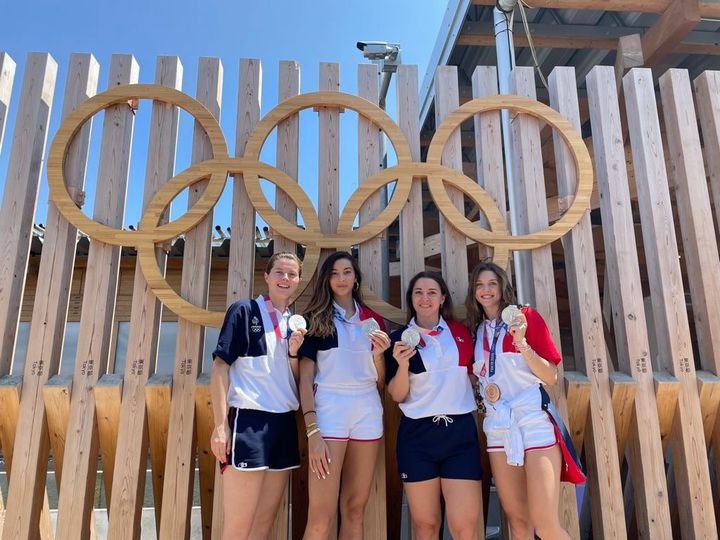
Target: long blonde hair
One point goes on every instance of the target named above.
(475, 313)
(319, 312)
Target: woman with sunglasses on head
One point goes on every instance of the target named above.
(341, 370)
(428, 373)
(254, 399)
(513, 359)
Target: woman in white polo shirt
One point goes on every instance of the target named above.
(437, 445)
(254, 399)
(341, 368)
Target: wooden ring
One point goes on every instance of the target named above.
(74, 121)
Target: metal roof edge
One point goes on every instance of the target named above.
(447, 35)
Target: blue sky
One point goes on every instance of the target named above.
(306, 31)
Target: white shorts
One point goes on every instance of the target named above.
(536, 428)
(351, 413)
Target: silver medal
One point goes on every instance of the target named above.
(369, 326)
(509, 313)
(410, 337)
(297, 322)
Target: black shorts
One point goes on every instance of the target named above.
(262, 440)
(438, 447)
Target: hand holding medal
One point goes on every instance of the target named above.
(379, 339)
(515, 321)
(298, 328)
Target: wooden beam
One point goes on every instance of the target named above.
(452, 241)
(708, 8)
(677, 20)
(7, 75)
(180, 462)
(624, 291)
(629, 55)
(672, 331)
(541, 42)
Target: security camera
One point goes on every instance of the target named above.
(379, 50)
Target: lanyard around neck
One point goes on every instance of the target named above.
(273, 317)
(493, 347)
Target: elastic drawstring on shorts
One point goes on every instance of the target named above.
(444, 417)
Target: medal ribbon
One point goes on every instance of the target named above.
(493, 347)
(273, 317)
(427, 332)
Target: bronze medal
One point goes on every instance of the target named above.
(492, 392)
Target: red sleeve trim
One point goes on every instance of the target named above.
(463, 342)
(538, 336)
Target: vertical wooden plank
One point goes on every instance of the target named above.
(452, 242)
(108, 395)
(645, 452)
(20, 193)
(488, 146)
(157, 399)
(695, 213)
(287, 149)
(707, 89)
(288, 132)
(241, 268)
(206, 460)
(180, 462)
(56, 399)
(328, 156)
(49, 316)
(370, 260)
(75, 500)
(7, 76)
(412, 259)
(531, 189)
(692, 475)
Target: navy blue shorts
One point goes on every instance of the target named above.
(438, 447)
(262, 440)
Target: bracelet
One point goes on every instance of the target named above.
(293, 356)
(311, 425)
(308, 412)
(312, 432)
(522, 346)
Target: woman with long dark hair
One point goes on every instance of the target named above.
(341, 370)
(428, 373)
(254, 399)
(513, 359)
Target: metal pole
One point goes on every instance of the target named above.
(505, 63)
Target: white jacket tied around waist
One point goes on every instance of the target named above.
(503, 420)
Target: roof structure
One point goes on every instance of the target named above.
(673, 33)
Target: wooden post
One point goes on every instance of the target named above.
(328, 156)
(541, 275)
(412, 259)
(180, 462)
(47, 327)
(75, 500)
(692, 476)
(241, 267)
(452, 242)
(370, 261)
(157, 399)
(645, 453)
(286, 158)
(695, 213)
(108, 396)
(707, 90)
(7, 76)
(488, 147)
(207, 463)
(20, 193)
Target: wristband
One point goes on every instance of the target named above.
(293, 356)
(312, 432)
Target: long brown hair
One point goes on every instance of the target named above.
(475, 312)
(319, 312)
(446, 309)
